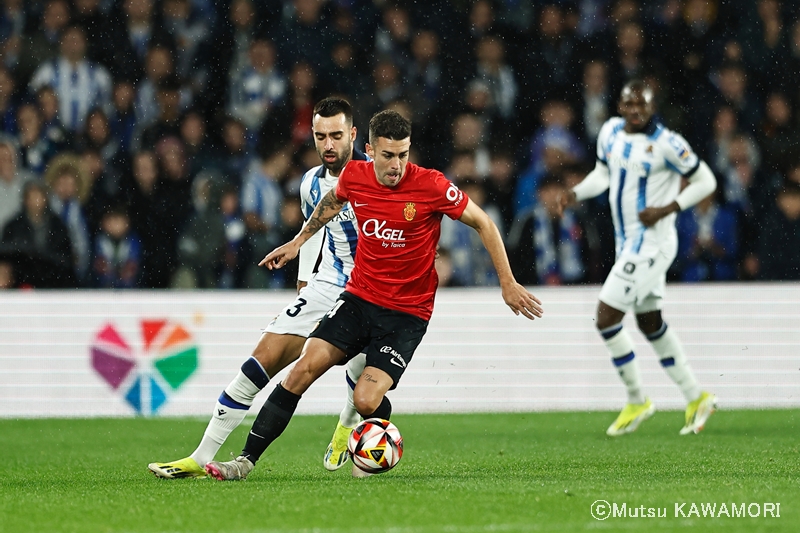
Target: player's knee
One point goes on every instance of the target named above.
(649, 322)
(365, 403)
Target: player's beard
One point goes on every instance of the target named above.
(336, 166)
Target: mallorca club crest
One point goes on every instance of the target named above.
(410, 211)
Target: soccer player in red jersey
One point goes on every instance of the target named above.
(386, 305)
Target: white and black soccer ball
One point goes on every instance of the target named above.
(375, 445)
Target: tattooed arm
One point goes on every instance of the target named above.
(327, 208)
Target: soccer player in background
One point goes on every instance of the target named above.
(385, 308)
(283, 338)
(641, 163)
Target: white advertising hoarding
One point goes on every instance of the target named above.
(126, 353)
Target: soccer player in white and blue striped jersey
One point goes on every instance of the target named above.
(283, 339)
(642, 163)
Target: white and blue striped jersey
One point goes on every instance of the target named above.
(80, 88)
(645, 170)
(341, 233)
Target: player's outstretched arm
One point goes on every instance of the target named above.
(327, 208)
(566, 199)
(595, 182)
(514, 294)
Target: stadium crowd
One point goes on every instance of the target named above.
(160, 143)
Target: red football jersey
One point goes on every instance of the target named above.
(398, 229)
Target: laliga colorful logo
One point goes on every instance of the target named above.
(167, 358)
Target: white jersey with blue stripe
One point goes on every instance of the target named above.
(645, 170)
(341, 233)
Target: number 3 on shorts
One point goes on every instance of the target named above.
(294, 311)
(335, 308)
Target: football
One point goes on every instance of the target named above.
(375, 445)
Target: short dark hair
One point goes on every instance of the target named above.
(332, 106)
(389, 125)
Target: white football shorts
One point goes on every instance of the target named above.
(302, 316)
(637, 282)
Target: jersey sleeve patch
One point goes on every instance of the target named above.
(679, 155)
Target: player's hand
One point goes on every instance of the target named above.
(521, 301)
(280, 255)
(565, 199)
(650, 215)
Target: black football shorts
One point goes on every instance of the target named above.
(388, 337)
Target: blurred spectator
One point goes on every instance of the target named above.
(779, 239)
(35, 149)
(158, 66)
(201, 244)
(500, 184)
(38, 232)
(732, 86)
(776, 134)
(106, 187)
(708, 242)
(122, 116)
(197, 146)
(189, 30)
(12, 181)
(724, 127)
(697, 32)
(233, 268)
(553, 146)
(550, 58)
(97, 136)
(69, 189)
(7, 278)
(87, 15)
(149, 220)
(294, 115)
(175, 196)
(291, 221)
(233, 158)
(468, 135)
(261, 205)
(167, 123)
(305, 33)
(346, 74)
(8, 105)
(630, 55)
(444, 268)
(764, 42)
(79, 84)
(258, 87)
(597, 102)
(231, 41)
(117, 252)
(13, 22)
(426, 71)
(53, 127)
(472, 265)
(545, 249)
(387, 85)
(594, 217)
(132, 30)
(498, 75)
(393, 35)
(43, 44)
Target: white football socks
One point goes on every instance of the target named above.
(670, 352)
(231, 408)
(349, 416)
(620, 346)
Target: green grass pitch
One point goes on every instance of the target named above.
(460, 473)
